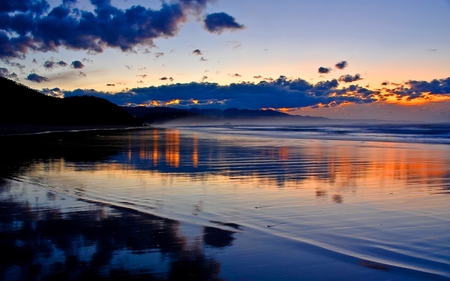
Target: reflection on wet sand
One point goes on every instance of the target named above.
(98, 242)
(315, 164)
(342, 199)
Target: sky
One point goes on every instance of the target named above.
(348, 59)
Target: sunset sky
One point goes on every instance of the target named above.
(340, 59)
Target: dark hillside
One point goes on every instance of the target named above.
(22, 105)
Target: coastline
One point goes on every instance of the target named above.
(26, 129)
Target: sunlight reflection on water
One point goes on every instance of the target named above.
(379, 205)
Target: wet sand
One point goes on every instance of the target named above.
(14, 130)
(172, 205)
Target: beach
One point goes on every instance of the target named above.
(226, 203)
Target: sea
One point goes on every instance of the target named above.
(227, 202)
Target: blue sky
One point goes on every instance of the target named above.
(247, 54)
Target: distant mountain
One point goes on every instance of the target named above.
(159, 115)
(22, 105)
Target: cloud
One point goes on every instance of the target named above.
(4, 72)
(219, 22)
(324, 70)
(235, 75)
(436, 86)
(257, 76)
(62, 63)
(33, 77)
(235, 44)
(82, 74)
(385, 83)
(142, 75)
(110, 85)
(55, 92)
(87, 60)
(197, 52)
(349, 78)
(49, 64)
(77, 64)
(14, 64)
(166, 78)
(281, 92)
(203, 59)
(341, 65)
(159, 54)
(30, 25)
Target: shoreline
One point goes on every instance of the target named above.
(27, 130)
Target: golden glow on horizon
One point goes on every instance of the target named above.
(155, 103)
(284, 109)
(173, 102)
(425, 98)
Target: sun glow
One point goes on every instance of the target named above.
(173, 102)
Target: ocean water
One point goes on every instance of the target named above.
(365, 202)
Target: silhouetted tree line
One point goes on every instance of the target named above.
(23, 105)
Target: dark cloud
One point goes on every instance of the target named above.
(324, 70)
(203, 59)
(82, 74)
(163, 78)
(14, 64)
(436, 86)
(341, 65)
(110, 85)
(61, 63)
(235, 75)
(55, 92)
(204, 78)
(142, 76)
(33, 77)
(197, 52)
(281, 92)
(349, 78)
(385, 83)
(77, 64)
(49, 64)
(257, 76)
(30, 25)
(219, 22)
(4, 72)
(159, 54)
